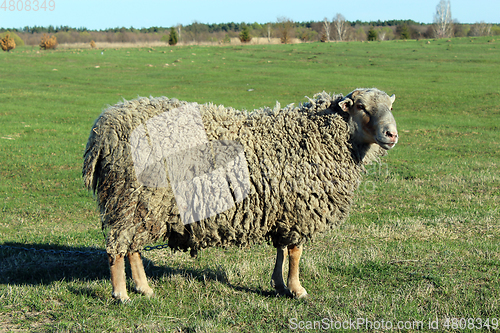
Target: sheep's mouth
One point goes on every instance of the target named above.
(386, 145)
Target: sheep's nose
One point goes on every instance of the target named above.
(392, 135)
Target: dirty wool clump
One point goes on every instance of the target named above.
(302, 170)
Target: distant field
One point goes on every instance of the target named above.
(422, 242)
(234, 42)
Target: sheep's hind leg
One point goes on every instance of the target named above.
(117, 269)
(294, 253)
(139, 275)
(277, 278)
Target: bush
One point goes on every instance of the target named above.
(172, 39)
(227, 39)
(84, 37)
(306, 34)
(285, 28)
(7, 43)
(48, 42)
(245, 35)
(15, 37)
(372, 34)
(385, 33)
(93, 45)
(404, 31)
(360, 34)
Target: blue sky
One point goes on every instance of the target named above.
(104, 14)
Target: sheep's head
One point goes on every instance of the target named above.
(371, 118)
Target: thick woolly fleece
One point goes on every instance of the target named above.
(302, 165)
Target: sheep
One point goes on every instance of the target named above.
(290, 173)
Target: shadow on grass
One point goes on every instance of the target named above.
(42, 264)
(203, 275)
(36, 264)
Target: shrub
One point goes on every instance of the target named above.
(372, 34)
(385, 33)
(84, 37)
(7, 43)
(48, 42)
(306, 34)
(14, 36)
(226, 40)
(245, 35)
(360, 34)
(172, 40)
(93, 45)
(404, 31)
(285, 27)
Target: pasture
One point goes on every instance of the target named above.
(421, 246)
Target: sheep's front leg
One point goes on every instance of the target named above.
(117, 269)
(277, 278)
(294, 253)
(139, 275)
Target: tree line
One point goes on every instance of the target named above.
(337, 29)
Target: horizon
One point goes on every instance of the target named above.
(56, 27)
(102, 15)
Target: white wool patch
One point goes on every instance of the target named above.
(207, 178)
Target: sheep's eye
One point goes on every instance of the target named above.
(361, 107)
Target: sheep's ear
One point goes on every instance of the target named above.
(393, 98)
(356, 93)
(346, 104)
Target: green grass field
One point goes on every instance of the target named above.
(422, 242)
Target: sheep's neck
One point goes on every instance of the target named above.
(363, 153)
(360, 150)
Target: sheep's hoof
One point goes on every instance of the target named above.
(283, 292)
(122, 299)
(146, 292)
(301, 294)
